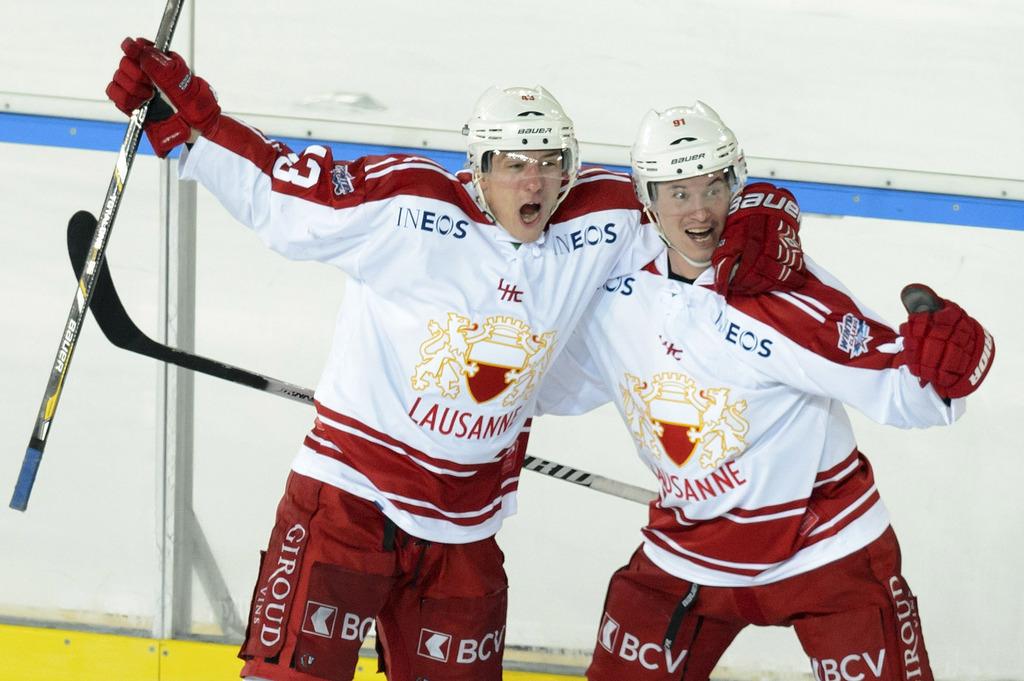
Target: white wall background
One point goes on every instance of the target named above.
(920, 85)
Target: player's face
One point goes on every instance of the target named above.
(521, 189)
(692, 213)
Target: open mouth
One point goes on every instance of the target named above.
(529, 213)
(700, 235)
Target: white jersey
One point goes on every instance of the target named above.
(447, 324)
(738, 410)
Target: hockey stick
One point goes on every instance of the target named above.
(120, 330)
(87, 281)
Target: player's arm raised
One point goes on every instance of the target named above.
(130, 87)
(292, 201)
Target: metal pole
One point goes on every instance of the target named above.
(175, 387)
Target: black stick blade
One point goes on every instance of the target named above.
(105, 305)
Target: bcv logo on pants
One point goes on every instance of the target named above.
(320, 621)
(853, 667)
(628, 647)
(438, 646)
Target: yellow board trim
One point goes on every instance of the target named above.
(34, 654)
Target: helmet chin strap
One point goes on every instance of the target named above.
(481, 201)
(702, 264)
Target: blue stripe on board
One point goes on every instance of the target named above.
(74, 133)
(833, 199)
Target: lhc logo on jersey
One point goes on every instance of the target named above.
(669, 415)
(500, 356)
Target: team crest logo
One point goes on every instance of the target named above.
(854, 335)
(669, 416)
(341, 179)
(500, 356)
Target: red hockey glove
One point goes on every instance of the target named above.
(760, 249)
(168, 130)
(188, 93)
(947, 348)
(130, 88)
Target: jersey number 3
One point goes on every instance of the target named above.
(286, 170)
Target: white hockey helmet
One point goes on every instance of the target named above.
(519, 118)
(683, 142)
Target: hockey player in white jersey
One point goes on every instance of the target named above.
(462, 290)
(768, 513)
